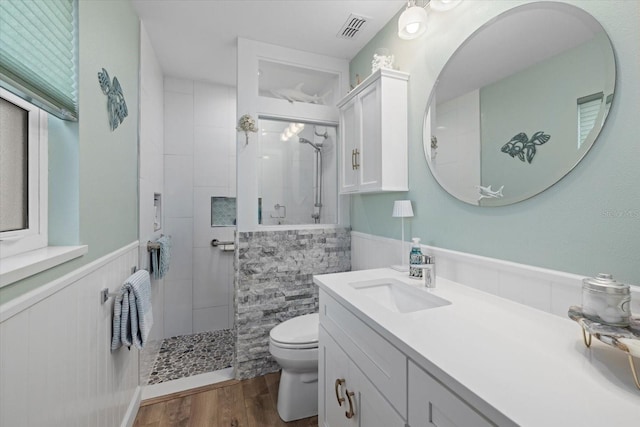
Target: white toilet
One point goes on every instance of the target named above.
(294, 345)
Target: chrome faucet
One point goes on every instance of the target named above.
(428, 267)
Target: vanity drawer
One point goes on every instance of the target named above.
(432, 404)
(383, 364)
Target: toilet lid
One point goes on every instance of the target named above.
(299, 330)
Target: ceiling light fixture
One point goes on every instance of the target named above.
(443, 5)
(413, 21)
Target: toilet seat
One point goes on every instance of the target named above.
(298, 333)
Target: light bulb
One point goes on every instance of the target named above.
(412, 28)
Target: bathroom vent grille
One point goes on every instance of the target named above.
(352, 27)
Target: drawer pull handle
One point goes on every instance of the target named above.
(339, 383)
(351, 412)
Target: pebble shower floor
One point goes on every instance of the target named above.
(187, 355)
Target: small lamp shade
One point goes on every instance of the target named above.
(402, 209)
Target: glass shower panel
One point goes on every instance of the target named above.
(297, 175)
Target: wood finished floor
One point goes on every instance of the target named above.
(247, 403)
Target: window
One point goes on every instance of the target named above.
(588, 109)
(38, 58)
(23, 176)
(38, 53)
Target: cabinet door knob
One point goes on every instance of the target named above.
(339, 383)
(357, 159)
(353, 159)
(351, 412)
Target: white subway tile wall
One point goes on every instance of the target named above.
(199, 164)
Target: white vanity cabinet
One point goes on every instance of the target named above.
(432, 404)
(350, 399)
(360, 371)
(373, 134)
(362, 378)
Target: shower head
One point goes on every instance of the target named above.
(317, 146)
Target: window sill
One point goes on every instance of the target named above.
(20, 266)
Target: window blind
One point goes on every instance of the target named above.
(38, 50)
(588, 109)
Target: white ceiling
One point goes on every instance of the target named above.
(196, 39)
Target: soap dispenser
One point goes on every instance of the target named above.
(415, 259)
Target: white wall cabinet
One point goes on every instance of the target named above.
(373, 135)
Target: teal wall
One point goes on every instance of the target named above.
(589, 222)
(93, 171)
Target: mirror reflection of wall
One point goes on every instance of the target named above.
(457, 152)
(517, 104)
(297, 176)
(516, 112)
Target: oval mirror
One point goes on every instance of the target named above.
(519, 104)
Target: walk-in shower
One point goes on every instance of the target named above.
(297, 173)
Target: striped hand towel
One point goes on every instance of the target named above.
(132, 314)
(161, 258)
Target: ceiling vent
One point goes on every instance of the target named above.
(352, 28)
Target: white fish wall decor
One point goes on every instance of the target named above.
(488, 193)
(297, 95)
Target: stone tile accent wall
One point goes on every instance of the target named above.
(274, 282)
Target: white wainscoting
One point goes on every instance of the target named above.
(56, 367)
(548, 290)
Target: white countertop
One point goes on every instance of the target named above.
(504, 358)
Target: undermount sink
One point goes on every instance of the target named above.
(397, 296)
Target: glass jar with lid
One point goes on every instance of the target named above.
(606, 301)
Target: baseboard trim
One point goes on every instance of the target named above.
(132, 410)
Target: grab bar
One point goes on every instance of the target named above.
(216, 242)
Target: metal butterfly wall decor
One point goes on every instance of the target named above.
(116, 106)
(522, 147)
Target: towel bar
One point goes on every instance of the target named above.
(152, 246)
(105, 294)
